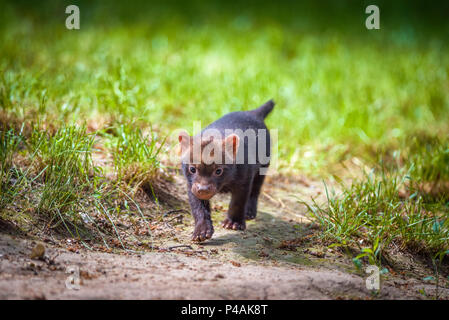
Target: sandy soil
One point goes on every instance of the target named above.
(168, 275)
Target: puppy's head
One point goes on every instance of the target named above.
(208, 161)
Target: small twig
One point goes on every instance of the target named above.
(200, 251)
(282, 204)
(180, 246)
(179, 217)
(168, 225)
(174, 211)
(270, 198)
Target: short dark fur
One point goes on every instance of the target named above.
(243, 181)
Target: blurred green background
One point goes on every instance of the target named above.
(341, 90)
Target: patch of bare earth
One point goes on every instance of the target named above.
(169, 275)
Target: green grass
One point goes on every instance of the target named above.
(338, 88)
(9, 174)
(384, 208)
(430, 170)
(65, 167)
(135, 154)
(52, 175)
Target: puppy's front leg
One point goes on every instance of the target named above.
(201, 214)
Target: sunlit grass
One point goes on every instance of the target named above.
(384, 208)
(430, 167)
(336, 91)
(52, 176)
(9, 174)
(65, 167)
(135, 154)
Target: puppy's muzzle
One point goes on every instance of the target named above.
(203, 191)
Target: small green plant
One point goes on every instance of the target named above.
(372, 253)
(437, 261)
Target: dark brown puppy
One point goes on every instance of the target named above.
(230, 155)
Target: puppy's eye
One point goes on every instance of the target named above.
(218, 172)
(192, 169)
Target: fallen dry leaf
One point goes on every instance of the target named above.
(235, 263)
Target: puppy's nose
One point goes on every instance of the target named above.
(203, 188)
(203, 191)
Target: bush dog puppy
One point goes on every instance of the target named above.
(230, 155)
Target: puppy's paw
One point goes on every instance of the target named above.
(251, 209)
(203, 230)
(234, 225)
(250, 214)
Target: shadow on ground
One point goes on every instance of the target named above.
(268, 237)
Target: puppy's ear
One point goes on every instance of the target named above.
(184, 143)
(231, 145)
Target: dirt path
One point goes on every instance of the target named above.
(272, 259)
(167, 276)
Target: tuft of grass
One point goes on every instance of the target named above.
(376, 211)
(135, 153)
(429, 156)
(65, 167)
(52, 176)
(9, 174)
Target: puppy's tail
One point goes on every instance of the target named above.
(263, 110)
